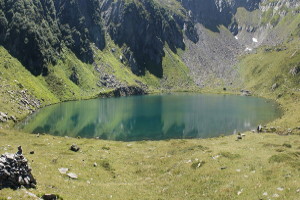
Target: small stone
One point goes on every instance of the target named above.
(13, 118)
(20, 150)
(238, 170)
(72, 175)
(74, 148)
(31, 152)
(265, 194)
(31, 194)
(280, 189)
(259, 128)
(240, 192)
(298, 190)
(274, 86)
(21, 180)
(275, 195)
(222, 168)
(49, 197)
(63, 170)
(95, 165)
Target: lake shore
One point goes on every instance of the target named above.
(230, 169)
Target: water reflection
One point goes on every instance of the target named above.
(154, 117)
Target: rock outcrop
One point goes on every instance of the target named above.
(129, 91)
(210, 32)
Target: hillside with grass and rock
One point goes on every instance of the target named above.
(53, 51)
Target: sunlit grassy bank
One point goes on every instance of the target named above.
(260, 166)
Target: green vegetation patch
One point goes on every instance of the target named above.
(229, 155)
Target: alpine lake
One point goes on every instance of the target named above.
(153, 117)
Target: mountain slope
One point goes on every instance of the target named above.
(81, 49)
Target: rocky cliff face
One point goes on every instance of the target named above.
(36, 31)
(143, 29)
(210, 32)
(214, 13)
(229, 28)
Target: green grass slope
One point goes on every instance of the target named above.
(268, 73)
(260, 166)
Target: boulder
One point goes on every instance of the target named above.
(72, 175)
(245, 93)
(63, 170)
(74, 148)
(259, 128)
(49, 197)
(3, 117)
(275, 86)
(74, 76)
(239, 136)
(13, 118)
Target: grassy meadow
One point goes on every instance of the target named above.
(260, 166)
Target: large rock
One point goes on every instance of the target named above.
(15, 172)
(74, 148)
(128, 91)
(3, 117)
(74, 76)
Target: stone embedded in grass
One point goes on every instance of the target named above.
(31, 194)
(63, 170)
(280, 189)
(239, 136)
(50, 197)
(240, 192)
(265, 194)
(275, 195)
(215, 157)
(74, 148)
(197, 164)
(72, 175)
(259, 128)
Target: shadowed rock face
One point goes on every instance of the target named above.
(214, 13)
(144, 29)
(35, 31)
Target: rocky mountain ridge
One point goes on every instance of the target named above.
(210, 33)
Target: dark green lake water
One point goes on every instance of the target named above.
(153, 117)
